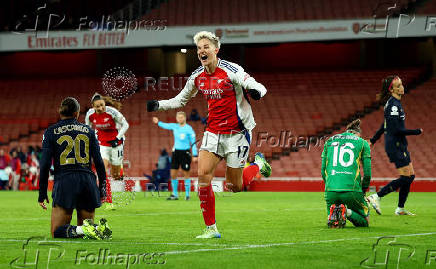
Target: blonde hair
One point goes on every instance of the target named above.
(208, 35)
(181, 112)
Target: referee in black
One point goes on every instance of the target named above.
(70, 146)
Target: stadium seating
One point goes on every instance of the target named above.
(182, 12)
(417, 105)
(304, 103)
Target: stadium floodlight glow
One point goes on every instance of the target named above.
(183, 50)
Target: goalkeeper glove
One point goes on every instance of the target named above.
(254, 94)
(152, 105)
(114, 142)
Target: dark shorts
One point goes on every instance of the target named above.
(400, 157)
(76, 190)
(181, 158)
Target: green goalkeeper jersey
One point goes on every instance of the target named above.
(341, 160)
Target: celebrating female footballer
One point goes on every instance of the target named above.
(110, 126)
(225, 86)
(395, 144)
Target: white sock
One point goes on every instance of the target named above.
(376, 196)
(260, 165)
(349, 212)
(79, 230)
(213, 226)
(400, 208)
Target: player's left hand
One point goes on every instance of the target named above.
(43, 205)
(254, 94)
(195, 159)
(114, 143)
(152, 105)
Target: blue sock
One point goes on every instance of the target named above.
(187, 187)
(175, 184)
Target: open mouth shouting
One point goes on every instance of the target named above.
(203, 58)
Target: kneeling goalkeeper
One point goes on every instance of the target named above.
(344, 189)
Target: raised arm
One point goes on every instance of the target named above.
(168, 126)
(254, 88)
(178, 101)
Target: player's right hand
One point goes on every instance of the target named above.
(43, 205)
(152, 105)
(155, 120)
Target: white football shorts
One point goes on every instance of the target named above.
(234, 148)
(113, 155)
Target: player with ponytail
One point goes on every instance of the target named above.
(110, 126)
(395, 143)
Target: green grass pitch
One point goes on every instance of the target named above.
(259, 230)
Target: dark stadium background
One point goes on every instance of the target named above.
(314, 87)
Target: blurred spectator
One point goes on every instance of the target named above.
(164, 161)
(195, 116)
(162, 172)
(15, 164)
(4, 170)
(21, 155)
(38, 152)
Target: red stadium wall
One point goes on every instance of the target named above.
(303, 55)
(71, 63)
(49, 63)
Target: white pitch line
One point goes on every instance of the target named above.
(226, 247)
(291, 243)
